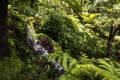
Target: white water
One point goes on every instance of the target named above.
(36, 44)
(58, 67)
(39, 49)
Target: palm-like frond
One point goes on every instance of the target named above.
(63, 59)
(68, 77)
(103, 64)
(92, 72)
(112, 67)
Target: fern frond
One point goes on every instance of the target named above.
(103, 64)
(63, 59)
(65, 65)
(60, 58)
(112, 67)
(72, 64)
(93, 72)
(68, 77)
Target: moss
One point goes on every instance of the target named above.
(55, 45)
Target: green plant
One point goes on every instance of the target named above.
(10, 68)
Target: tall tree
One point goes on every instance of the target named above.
(3, 27)
(112, 33)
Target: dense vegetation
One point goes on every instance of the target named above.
(82, 36)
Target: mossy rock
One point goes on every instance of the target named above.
(48, 42)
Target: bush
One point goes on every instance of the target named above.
(10, 68)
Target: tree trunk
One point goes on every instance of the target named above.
(110, 40)
(3, 27)
(113, 31)
(31, 4)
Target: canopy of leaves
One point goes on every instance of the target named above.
(77, 31)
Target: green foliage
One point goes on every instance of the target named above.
(92, 72)
(10, 68)
(101, 69)
(56, 45)
(63, 59)
(83, 59)
(65, 30)
(68, 77)
(76, 6)
(71, 35)
(108, 65)
(77, 30)
(88, 18)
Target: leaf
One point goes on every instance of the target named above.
(11, 41)
(72, 63)
(65, 65)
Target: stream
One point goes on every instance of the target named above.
(39, 48)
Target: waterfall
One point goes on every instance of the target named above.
(30, 35)
(58, 67)
(37, 46)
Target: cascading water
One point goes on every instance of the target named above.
(39, 48)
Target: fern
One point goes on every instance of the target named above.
(83, 70)
(63, 59)
(105, 65)
(72, 62)
(103, 70)
(90, 71)
(109, 66)
(67, 77)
